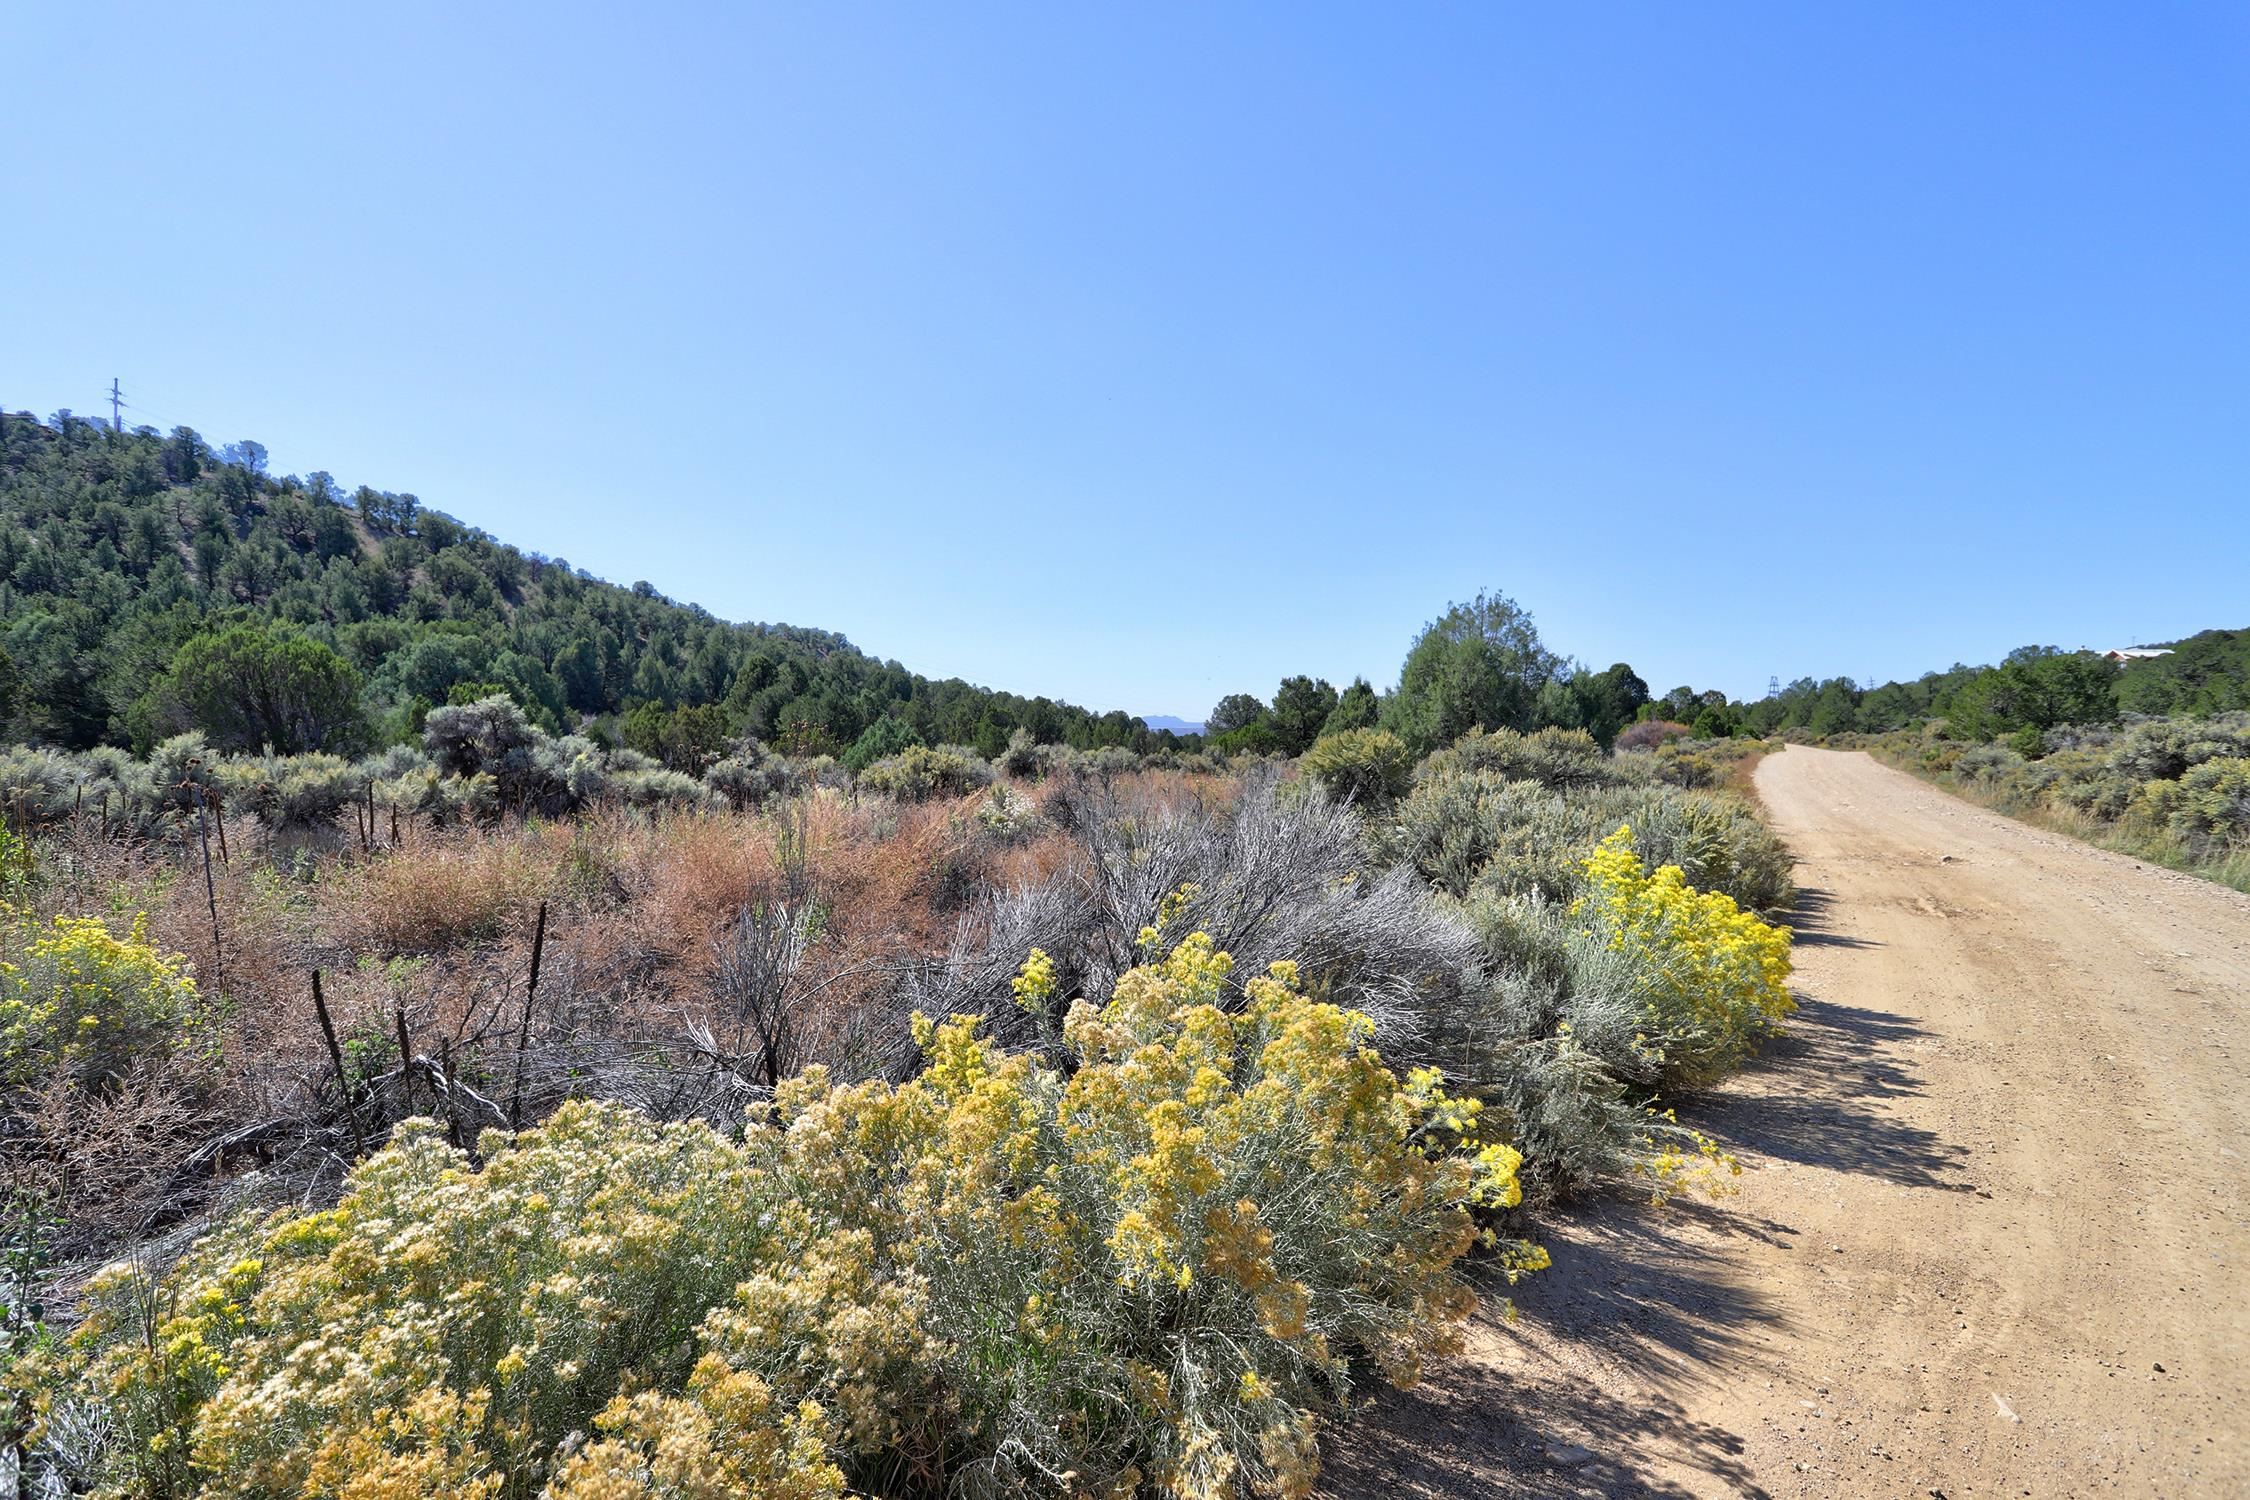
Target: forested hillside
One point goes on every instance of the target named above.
(150, 585)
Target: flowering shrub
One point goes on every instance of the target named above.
(1714, 978)
(76, 997)
(1148, 1273)
(1197, 1226)
(443, 1330)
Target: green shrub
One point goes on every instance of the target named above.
(257, 687)
(1555, 758)
(918, 774)
(1369, 767)
(886, 737)
(2212, 807)
(1464, 830)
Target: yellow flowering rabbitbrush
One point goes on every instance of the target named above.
(447, 1330)
(1715, 979)
(78, 998)
(1150, 1271)
(1147, 1273)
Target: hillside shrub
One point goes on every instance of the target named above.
(920, 773)
(1149, 1272)
(1367, 767)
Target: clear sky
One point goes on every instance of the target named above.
(1139, 354)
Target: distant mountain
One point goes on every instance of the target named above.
(1158, 723)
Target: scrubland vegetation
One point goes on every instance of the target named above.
(466, 1029)
(943, 1130)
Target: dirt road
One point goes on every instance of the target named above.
(1991, 1237)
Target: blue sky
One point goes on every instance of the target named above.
(1143, 354)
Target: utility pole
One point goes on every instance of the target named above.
(116, 408)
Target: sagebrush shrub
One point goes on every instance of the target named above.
(1464, 830)
(1992, 763)
(294, 791)
(1678, 765)
(1555, 758)
(2212, 806)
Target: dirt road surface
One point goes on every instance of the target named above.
(1991, 1237)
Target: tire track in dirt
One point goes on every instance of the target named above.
(1991, 1237)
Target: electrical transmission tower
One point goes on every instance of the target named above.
(116, 408)
(1773, 687)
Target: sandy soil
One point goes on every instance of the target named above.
(1991, 1237)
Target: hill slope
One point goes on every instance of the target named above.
(118, 549)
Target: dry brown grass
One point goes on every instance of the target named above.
(437, 931)
(445, 889)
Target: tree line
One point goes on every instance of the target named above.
(1478, 665)
(2030, 690)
